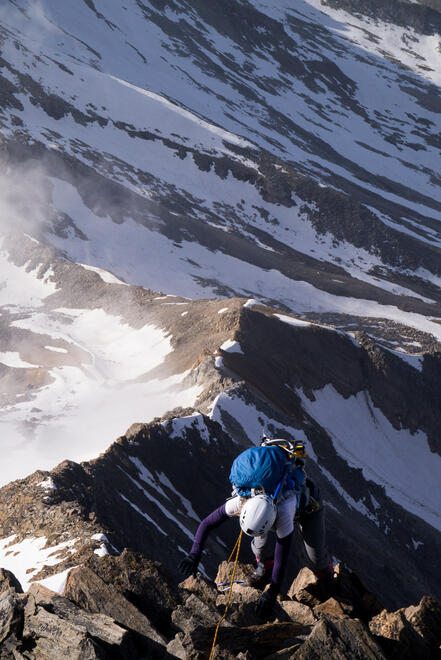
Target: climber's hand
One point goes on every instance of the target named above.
(266, 602)
(188, 565)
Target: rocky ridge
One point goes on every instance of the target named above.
(240, 145)
(129, 607)
(255, 370)
(141, 494)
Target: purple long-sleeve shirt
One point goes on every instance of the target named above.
(219, 516)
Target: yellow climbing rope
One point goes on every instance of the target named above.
(237, 548)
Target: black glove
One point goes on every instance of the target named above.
(188, 565)
(266, 602)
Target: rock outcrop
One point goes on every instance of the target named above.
(129, 607)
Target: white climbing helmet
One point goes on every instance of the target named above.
(258, 515)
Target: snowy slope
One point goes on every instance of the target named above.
(167, 167)
(177, 104)
(74, 376)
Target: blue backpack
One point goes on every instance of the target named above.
(267, 468)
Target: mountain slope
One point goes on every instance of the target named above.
(230, 212)
(368, 451)
(223, 124)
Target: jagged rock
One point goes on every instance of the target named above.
(225, 571)
(284, 654)
(333, 608)
(339, 640)
(201, 587)
(299, 612)
(305, 588)
(350, 589)
(9, 581)
(57, 628)
(11, 620)
(90, 592)
(194, 613)
(241, 605)
(176, 649)
(396, 636)
(52, 638)
(426, 620)
(11, 614)
(413, 632)
(239, 594)
(145, 583)
(259, 641)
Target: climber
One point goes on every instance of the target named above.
(270, 493)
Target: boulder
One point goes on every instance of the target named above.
(413, 632)
(200, 586)
(305, 588)
(225, 571)
(57, 628)
(425, 618)
(194, 613)
(9, 581)
(11, 620)
(175, 648)
(339, 640)
(298, 612)
(90, 592)
(259, 641)
(241, 605)
(333, 608)
(396, 636)
(239, 594)
(284, 654)
(145, 583)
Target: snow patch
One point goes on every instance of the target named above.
(186, 502)
(251, 302)
(56, 582)
(26, 558)
(231, 346)
(292, 321)
(107, 277)
(105, 391)
(47, 484)
(181, 424)
(13, 359)
(23, 288)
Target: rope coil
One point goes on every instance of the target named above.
(227, 604)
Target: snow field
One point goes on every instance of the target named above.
(137, 91)
(152, 260)
(26, 558)
(399, 461)
(22, 288)
(87, 406)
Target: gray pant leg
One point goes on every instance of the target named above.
(258, 546)
(312, 526)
